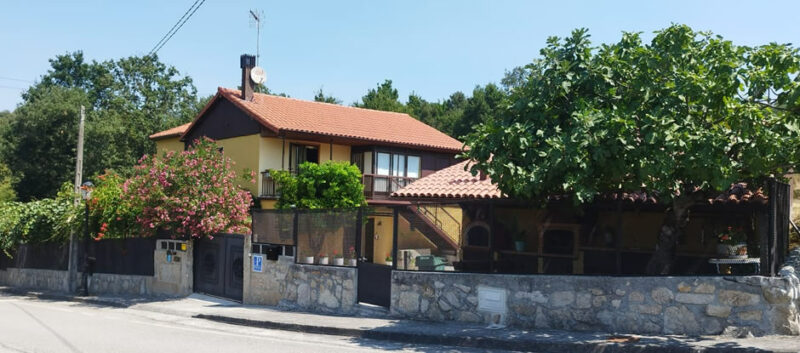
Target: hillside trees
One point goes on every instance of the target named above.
(126, 100)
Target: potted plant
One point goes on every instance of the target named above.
(732, 243)
(323, 259)
(352, 256)
(389, 260)
(308, 260)
(338, 260)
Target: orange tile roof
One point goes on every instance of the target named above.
(456, 182)
(451, 182)
(282, 114)
(175, 131)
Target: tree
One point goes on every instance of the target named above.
(385, 98)
(687, 113)
(321, 97)
(330, 185)
(126, 100)
(483, 105)
(192, 193)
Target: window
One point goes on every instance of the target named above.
(383, 163)
(398, 165)
(298, 154)
(412, 170)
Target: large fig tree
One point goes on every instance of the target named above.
(688, 112)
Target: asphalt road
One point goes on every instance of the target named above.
(30, 325)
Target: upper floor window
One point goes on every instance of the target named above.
(298, 154)
(399, 165)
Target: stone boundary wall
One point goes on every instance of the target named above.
(171, 279)
(651, 305)
(51, 280)
(283, 283)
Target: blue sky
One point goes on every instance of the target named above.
(430, 47)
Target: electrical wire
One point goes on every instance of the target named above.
(14, 79)
(177, 26)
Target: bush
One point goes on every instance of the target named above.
(321, 186)
(190, 193)
(112, 215)
(38, 221)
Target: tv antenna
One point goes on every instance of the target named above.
(255, 20)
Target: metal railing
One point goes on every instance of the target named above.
(442, 219)
(269, 188)
(383, 185)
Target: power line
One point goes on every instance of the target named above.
(14, 79)
(11, 87)
(177, 26)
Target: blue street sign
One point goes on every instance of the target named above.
(258, 262)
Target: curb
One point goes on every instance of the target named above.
(524, 345)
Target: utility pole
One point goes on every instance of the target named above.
(73, 244)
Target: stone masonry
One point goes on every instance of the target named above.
(655, 305)
(283, 283)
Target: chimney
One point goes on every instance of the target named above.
(247, 62)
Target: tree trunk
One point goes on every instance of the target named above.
(675, 222)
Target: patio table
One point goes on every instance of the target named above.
(747, 261)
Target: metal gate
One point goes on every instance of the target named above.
(374, 283)
(219, 266)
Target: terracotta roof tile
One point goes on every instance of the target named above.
(456, 182)
(451, 182)
(175, 131)
(293, 115)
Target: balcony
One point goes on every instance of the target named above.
(381, 186)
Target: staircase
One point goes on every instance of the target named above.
(439, 226)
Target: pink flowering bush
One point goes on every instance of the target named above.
(191, 193)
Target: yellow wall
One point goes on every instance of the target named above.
(383, 243)
(169, 144)
(243, 150)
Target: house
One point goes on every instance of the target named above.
(261, 132)
(616, 234)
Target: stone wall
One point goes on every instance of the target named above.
(655, 305)
(325, 289)
(173, 278)
(51, 280)
(170, 279)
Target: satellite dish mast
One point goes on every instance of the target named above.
(255, 20)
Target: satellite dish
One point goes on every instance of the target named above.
(258, 75)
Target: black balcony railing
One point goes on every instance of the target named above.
(269, 188)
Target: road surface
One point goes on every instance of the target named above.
(32, 325)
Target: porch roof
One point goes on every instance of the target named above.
(457, 182)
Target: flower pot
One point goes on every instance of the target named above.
(389, 263)
(338, 261)
(519, 245)
(353, 262)
(308, 260)
(739, 251)
(323, 260)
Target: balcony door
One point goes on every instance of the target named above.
(299, 154)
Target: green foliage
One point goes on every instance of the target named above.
(39, 221)
(321, 186)
(126, 100)
(112, 215)
(385, 98)
(7, 192)
(687, 110)
(321, 97)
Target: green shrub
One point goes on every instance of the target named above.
(38, 221)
